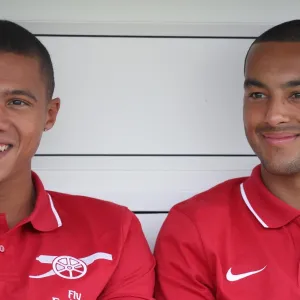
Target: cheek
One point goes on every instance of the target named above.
(30, 132)
(253, 117)
(248, 119)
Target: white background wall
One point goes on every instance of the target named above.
(157, 11)
(127, 97)
(185, 17)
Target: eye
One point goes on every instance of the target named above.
(18, 102)
(257, 95)
(296, 96)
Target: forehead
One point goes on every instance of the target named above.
(18, 71)
(274, 61)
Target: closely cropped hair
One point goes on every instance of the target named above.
(16, 39)
(284, 32)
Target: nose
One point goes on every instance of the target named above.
(277, 112)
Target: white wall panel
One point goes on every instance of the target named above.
(141, 95)
(151, 224)
(140, 183)
(184, 11)
(149, 29)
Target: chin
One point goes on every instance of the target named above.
(281, 168)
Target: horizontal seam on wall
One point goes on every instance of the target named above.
(140, 155)
(146, 36)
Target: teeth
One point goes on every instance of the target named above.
(4, 148)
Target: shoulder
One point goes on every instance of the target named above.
(213, 207)
(204, 220)
(88, 210)
(218, 196)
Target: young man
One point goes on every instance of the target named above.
(55, 246)
(240, 240)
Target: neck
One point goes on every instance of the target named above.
(17, 197)
(284, 187)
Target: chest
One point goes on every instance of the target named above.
(57, 268)
(257, 264)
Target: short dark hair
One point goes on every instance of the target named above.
(18, 40)
(285, 32)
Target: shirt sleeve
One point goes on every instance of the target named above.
(134, 276)
(182, 267)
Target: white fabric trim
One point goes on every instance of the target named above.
(59, 222)
(244, 196)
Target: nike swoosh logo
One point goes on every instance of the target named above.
(236, 277)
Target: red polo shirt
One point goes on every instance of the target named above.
(74, 247)
(235, 241)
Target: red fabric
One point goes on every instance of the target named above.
(101, 242)
(215, 233)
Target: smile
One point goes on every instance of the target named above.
(4, 148)
(280, 138)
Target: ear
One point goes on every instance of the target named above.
(52, 110)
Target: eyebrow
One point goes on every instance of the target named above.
(253, 82)
(25, 93)
(293, 83)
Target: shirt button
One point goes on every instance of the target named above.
(2, 249)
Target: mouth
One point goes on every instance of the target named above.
(4, 149)
(280, 138)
